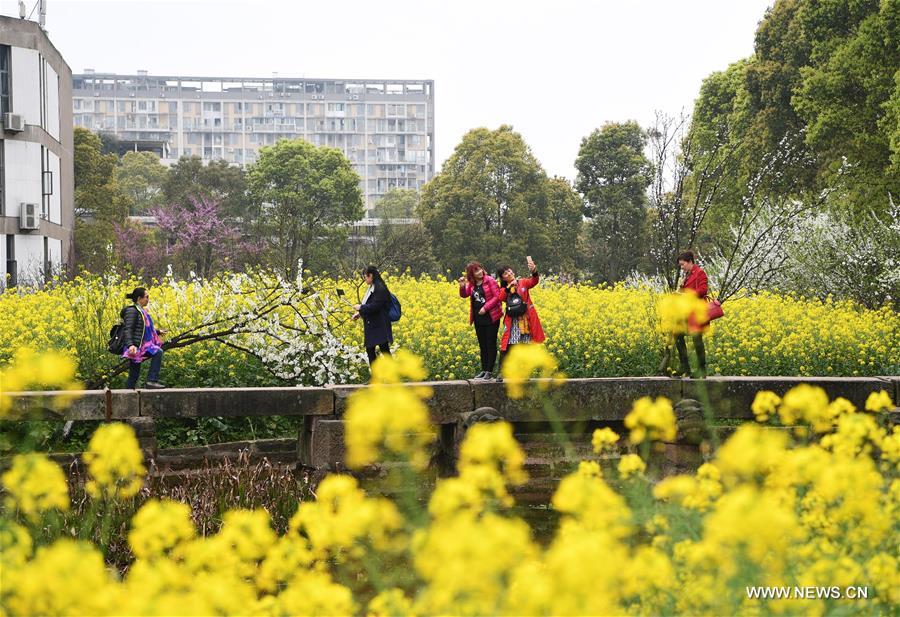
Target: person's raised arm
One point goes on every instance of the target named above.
(465, 289)
(535, 277)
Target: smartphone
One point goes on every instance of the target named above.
(527, 257)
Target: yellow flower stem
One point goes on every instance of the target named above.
(652, 462)
(87, 522)
(559, 432)
(106, 525)
(708, 415)
(374, 569)
(410, 502)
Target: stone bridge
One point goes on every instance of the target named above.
(580, 406)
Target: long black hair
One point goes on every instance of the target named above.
(377, 281)
(136, 294)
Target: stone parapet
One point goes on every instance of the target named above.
(576, 404)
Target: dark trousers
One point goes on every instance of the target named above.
(385, 349)
(134, 370)
(503, 355)
(685, 365)
(487, 344)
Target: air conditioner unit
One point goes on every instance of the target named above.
(29, 216)
(13, 123)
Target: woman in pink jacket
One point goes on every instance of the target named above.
(484, 311)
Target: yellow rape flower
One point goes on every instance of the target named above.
(630, 465)
(159, 526)
(400, 366)
(387, 422)
(493, 446)
(312, 592)
(765, 405)
(343, 518)
(115, 462)
(34, 485)
(65, 578)
(675, 309)
(525, 361)
(803, 402)
(50, 370)
(879, 401)
(15, 545)
(391, 603)
(603, 439)
(649, 419)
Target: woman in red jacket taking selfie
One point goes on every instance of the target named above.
(521, 321)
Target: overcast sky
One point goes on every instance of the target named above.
(554, 70)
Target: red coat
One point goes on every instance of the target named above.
(697, 281)
(699, 284)
(534, 324)
(491, 298)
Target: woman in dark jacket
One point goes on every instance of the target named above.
(142, 340)
(484, 312)
(374, 311)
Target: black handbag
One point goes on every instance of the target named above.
(515, 307)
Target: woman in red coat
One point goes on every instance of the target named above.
(484, 311)
(525, 328)
(696, 282)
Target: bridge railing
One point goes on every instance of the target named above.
(320, 438)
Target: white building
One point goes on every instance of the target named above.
(384, 127)
(36, 155)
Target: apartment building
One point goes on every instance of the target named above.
(36, 155)
(384, 127)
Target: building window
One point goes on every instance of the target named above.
(46, 183)
(2, 179)
(5, 80)
(11, 268)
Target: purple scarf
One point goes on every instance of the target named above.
(150, 346)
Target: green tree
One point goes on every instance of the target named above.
(613, 176)
(140, 177)
(218, 181)
(843, 95)
(490, 203)
(392, 245)
(307, 195)
(565, 218)
(822, 82)
(110, 143)
(397, 204)
(98, 204)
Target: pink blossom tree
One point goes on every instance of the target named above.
(200, 237)
(137, 248)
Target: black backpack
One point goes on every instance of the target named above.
(116, 344)
(515, 307)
